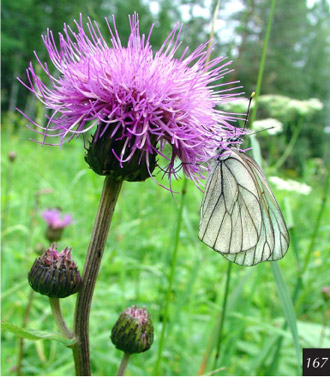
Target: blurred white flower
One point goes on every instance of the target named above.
(291, 185)
(281, 106)
(315, 104)
(270, 125)
(239, 105)
(306, 107)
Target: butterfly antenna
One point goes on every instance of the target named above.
(249, 106)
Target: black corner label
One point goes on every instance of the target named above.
(316, 362)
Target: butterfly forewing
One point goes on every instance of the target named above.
(272, 212)
(240, 217)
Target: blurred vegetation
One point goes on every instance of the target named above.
(137, 258)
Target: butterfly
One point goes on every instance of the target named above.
(240, 217)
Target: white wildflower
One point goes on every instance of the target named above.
(306, 107)
(239, 105)
(291, 185)
(281, 106)
(271, 125)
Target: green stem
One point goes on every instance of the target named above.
(58, 317)
(325, 197)
(6, 207)
(222, 317)
(123, 364)
(290, 146)
(274, 364)
(289, 311)
(324, 323)
(21, 340)
(96, 247)
(214, 18)
(171, 277)
(262, 61)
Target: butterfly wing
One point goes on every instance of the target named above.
(276, 234)
(240, 217)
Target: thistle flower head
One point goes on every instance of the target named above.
(133, 332)
(147, 103)
(55, 274)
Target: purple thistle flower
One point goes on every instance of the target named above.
(54, 220)
(144, 100)
(56, 224)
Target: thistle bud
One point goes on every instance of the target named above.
(56, 224)
(55, 274)
(133, 332)
(53, 234)
(105, 153)
(325, 293)
(12, 156)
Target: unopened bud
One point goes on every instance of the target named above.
(104, 154)
(53, 234)
(12, 156)
(325, 293)
(133, 332)
(56, 224)
(55, 274)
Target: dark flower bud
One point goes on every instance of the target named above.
(53, 234)
(56, 224)
(325, 293)
(105, 153)
(55, 274)
(133, 332)
(39, 248)
(12, 156)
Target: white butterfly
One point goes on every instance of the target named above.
(240, 217)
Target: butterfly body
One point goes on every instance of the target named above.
(240, 217)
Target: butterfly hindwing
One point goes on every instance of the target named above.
(240, 217)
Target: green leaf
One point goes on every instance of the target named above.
(36, 334)
(284, 295)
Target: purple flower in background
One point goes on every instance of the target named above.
(143, 103)
(54, 220)
(56, 224)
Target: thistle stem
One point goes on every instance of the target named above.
(222, 317)
(96, 247)
(123, 364)
(58, 317)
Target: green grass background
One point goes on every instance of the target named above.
(135, 270)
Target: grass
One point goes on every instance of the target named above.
(136, 267)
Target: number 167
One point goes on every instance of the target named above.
(317, 362)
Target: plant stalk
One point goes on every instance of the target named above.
(222, 317)
(96, 247)
(325, 197)
(290, 146)
(262, 61)
(299, 283)
(21, 340)
(58, 317)
(123, 364)
(171, 278)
